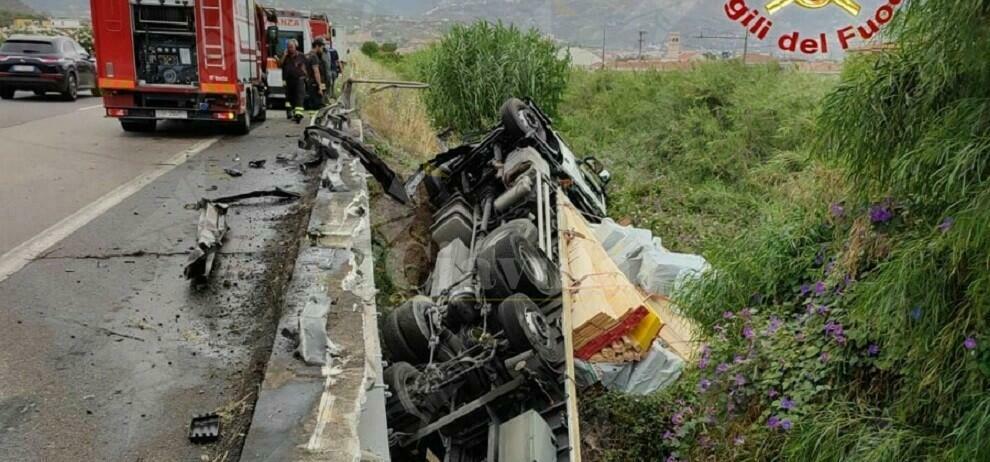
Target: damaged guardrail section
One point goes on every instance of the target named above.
(322, 397)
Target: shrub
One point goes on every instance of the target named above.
(389, 47)
(369, 48)
(475, 68)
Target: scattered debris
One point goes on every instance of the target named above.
(233, 172)
(204, 428)
(659, 368)
(277, 192)
(260, 163)
(211, 230)
(315, 346)
(322, 139)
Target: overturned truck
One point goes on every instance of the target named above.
(477, 360)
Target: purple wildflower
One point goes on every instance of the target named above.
(745, 313)
(774, 325)
(722, 368)
(728, 315)
(787, 404)
(747, 332)
(738, 359)
(773, 422)
(772, 393)
(805, 289)
(704, 384)
(880, 213)
(970, 343)
(873, 350)
(820, 288)
(668, 435)
(946, 224)
(786, 424)
(739, 440)
(837, 210)
(672, 458)
(740, 380)
(677, 419)
(822, 310)
(703, 362)
(824, 357)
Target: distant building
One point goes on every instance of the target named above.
(673, 47)
(66, 23)
(31, 25)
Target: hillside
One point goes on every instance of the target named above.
(15, 6)
(578, 22)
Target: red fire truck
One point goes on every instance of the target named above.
(182, 59)
(300, 26)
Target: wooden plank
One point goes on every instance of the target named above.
(567, 324)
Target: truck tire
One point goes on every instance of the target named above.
(401, 379)
(262, 109)
(138, 125)
(527, 328)
(519, 120)
(510, 263)
(413, 323)
(71, 91)
(395, 343)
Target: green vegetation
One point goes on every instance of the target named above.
(846, 318)
(475, 68)
(846, 221)
(369, 48)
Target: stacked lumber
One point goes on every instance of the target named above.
(612, 319)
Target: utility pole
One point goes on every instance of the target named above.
(744, 38)
(641, 34)
(603, 46)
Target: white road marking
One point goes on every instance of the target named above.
(89, 107)
(18, 257)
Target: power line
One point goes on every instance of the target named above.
(641, 34)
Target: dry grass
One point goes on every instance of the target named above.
(398, 117)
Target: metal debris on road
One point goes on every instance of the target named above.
(260, 163)
(211, 230)
(277, 192)
(233, 172)
(204, 428)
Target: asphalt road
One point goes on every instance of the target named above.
(58, 156)
(106, 351)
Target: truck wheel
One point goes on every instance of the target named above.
(395, 343)
(527, 328)
(401, 380)
(71, 91)
(262, 106)
(510, 263)
(519, 120)
(7, 93)
(413, 323)
(138, 125)
(243, 124)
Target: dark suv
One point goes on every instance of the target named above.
(44, 64)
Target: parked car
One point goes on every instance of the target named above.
(46, 64)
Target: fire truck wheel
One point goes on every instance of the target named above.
(138, 125)
(71, 91)
(262, 108)
(243, 124)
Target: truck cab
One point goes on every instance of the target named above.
(303, 27)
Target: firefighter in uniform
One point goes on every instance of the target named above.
(294, 74)
(314, 75)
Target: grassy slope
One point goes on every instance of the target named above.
(694, 154)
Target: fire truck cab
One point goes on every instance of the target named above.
(181, 59)
(291, 24)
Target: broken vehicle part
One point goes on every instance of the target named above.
(233, 172)
(260, 163)
(211, 229)
(204, 428)
(390, 181)
(277, 192)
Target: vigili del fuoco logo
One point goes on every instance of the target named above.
(861, 27)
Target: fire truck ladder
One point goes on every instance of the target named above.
(213, 33)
